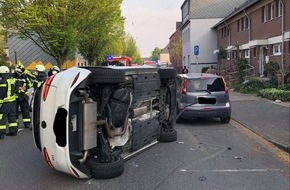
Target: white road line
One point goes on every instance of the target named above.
(236, 170)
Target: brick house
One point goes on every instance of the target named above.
(259, 31)
(198, 38)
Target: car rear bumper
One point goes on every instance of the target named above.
(205, 112)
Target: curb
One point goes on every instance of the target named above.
(277, 144)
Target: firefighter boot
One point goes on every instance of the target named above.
(2, 134)
(12, 132)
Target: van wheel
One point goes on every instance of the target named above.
(102, 170)
(107, 76)
(167, 136)
(225, 119)
(167, 73)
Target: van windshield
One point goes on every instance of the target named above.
(211, 84)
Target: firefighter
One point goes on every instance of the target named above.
(22, 85)
(7, 102)
(53, 70)
(37, 78)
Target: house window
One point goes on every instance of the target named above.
(246, 23)
(242, 24)
(279, 8)
(238, 25)
(254, 52)
(264, 14)
(228, 55)
(225, 33)
(277, 50)
(272, 10)
(247, 53)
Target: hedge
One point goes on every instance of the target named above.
(275, 94)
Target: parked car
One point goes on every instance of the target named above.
(88, 120)
(202, 95)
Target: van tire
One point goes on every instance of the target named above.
(167, 136)
(106, 170)
(167, 73)
(225, 119)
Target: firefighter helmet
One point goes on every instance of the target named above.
(55, 68)
(4, 69)
(40, 68)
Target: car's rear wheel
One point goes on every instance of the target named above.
(225, 119)
(107, 76)
(104, 170)
(168, 136)
(167, 73)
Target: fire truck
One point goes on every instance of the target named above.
(119, 61)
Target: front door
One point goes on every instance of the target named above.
(263, 54)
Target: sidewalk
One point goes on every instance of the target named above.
(264, 117)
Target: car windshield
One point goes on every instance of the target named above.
(211, 84)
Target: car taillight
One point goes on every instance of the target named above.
(75, 79)
(226, 88)
(184, 85)
(46, 156)
(46, 87)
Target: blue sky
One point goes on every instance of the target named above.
(151, 22)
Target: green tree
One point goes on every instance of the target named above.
(222, 54)
(176, 51)
(51, 25)
(131, 49)
(3, 56)
(155, 53)
(101, 30)
(241, 66)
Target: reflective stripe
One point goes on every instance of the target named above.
(27, 120)
(2, 127)
(3, 85)
(10, 99)
(1, 116)
(22, 80)
(13, 124)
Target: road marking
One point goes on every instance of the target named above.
(235, 170)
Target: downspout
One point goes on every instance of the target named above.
(249, 25)
(249, 33)
(283, 20)
(230, 32)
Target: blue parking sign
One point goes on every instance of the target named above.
(196, 50)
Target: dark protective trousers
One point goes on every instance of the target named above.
(24, 107)
(8, 114)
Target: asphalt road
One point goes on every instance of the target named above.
(208, 155)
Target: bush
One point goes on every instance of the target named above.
(251, 87)
(274, 94)
(270, 84)
(284, 87)
(271, 69)
(237, 86)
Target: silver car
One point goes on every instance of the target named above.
(202, 95)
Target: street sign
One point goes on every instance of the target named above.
(196, 50)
